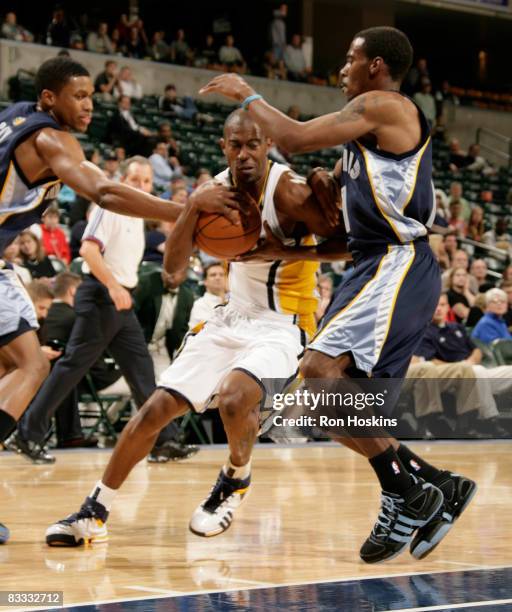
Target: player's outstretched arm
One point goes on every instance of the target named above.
(180, 242)
(360, 116)
(63, 154)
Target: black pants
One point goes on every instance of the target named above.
(98, 326)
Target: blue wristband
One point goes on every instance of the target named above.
(249, 99)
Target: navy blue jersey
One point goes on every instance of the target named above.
(387, 199)
(22, 203)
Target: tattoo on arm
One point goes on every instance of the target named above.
(353, 110)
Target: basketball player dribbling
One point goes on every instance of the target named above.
(259, 334)
(378, 316)
(37, 152)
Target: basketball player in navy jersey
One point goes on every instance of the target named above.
(378, 316)
(37, 152)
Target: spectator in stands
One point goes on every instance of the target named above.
(478, 163)
(42, 297)
(215, 282)
(499, 236)
(479, 270)
(180, 52)
(442, 208)
(115, 41)
(53, 239)
(231, 57)
(58, 33)
(170, 104)
(492, 326)
(135, 46)
(419, 71)
(506, 286)
(180, 195)
(163, 305)
(177, 183)
(325, 289)
(425, 100)
(272, 67)
(446, 353)
(456, 222)
(34, 257)
(13, 31)
(476, 227)
(450, 246)
(459, 296)
(507, 273)
(476, 312)
(295, 60)
(106, 80)
(124, 130)
(444, 95)
(127, 84)
(11, 255)
(456, 196)
(99, 41)
(159, 50)
(278, 32)
(165, 135)
(458, 157)
(120, 153)
(162, 170)
(203, 175)
(208, 55)
(111, 165)
(459, 259)
(124, 26)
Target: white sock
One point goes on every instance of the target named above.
(237, 471)
(103, 495)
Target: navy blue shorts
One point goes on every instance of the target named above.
(381, 312)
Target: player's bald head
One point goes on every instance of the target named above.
(238, 120)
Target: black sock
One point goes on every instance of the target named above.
(7, 425)
(416, 465)
(391, 472)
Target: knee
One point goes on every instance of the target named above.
(313, 366)
(232, 403)
(160, 409)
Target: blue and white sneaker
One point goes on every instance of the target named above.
(215, 514)
(87, 526)
(399, 518)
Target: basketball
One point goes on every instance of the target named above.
(219, 237)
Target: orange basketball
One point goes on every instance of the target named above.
(217, 236)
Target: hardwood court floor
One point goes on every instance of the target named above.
(309, 511)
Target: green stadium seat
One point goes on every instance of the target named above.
(502, 350)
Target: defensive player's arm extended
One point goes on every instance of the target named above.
(63, 154)
(359, 117)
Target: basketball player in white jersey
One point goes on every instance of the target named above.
(259, 334)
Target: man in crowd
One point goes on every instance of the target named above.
(215, 281)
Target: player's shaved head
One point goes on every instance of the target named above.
(240, 119)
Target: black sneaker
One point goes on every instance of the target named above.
(215, 514)
(171, 451)
(398, 520)
(30, 450)
(458, 491)
(4, 534)
(87, 526)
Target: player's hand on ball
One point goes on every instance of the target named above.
(327, 193)
(231, 86)
(213, 197)
(269, 249)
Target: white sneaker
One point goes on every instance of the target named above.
(215, 514)
(84, 527)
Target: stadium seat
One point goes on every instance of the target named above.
(502, 350)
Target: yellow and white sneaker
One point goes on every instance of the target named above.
(87, 526)
(215, 514)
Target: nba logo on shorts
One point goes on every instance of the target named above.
(395, 467)
(414, 465)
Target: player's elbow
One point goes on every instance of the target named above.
(106, 191)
